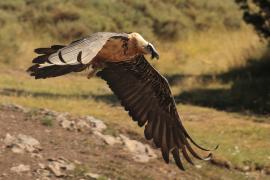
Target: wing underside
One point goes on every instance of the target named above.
(145, 94)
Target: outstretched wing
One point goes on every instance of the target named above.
(59, 60)
(81, 51)
(146, 95)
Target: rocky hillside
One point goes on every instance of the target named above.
(43, 144)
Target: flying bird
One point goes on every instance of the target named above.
(119, 59)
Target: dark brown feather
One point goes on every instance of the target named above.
(49, 50)
(40, 59)
(148, 131)
(177, 159)
(146, 95)
(53, 71)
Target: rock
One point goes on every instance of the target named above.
(140, 152)
(108, 139)
(82, 125)
(246, 168)
(15, 107)
(36, 155)
(96, 124)
(22, 143)
(59, 167)
(67, 124)
(9, 140)
(62, 116)
(4, 175)
(92, 175)
(77, 162)
(221, 162)
(48, 112)
(42, 166)
(43, 174)
(20, 168)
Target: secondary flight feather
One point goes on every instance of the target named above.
(118, 58)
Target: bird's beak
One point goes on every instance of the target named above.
(151, 49)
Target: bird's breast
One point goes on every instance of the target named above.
(116, 50)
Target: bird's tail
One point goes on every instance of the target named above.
(42, 67)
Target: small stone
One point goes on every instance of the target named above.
(48, 112)
(108, 139)
(61, 117)
(9, 140)
(44, 174)
(15, 107)
(246, 168)
(42, 166)
(20, 168)
(92, 175)
(56, 170)
(82, 125)
(59, 167)
(96, 124)
(36, 155)
(141, 152)
(4, 175)
(77, 162)
(69, 125)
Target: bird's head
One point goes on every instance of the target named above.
(144, 46)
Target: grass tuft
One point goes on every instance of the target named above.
(47, 121)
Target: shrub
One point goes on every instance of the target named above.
(47, 121)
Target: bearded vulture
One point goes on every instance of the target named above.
(118, 58)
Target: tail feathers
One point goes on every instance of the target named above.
(40, 71)
(54, 70)
(41, 59)
(45, 53)
(52, 49)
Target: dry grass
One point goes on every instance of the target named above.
(210, 52)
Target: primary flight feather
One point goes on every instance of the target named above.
(143, 92)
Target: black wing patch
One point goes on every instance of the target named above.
(146, 95)
(53, 70)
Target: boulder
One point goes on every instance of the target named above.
(140, 152)
(20, 168)
(22, 143)
(96, 124)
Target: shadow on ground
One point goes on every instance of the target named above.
(250, 90)
(108, 98)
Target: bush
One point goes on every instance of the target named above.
(168, 29)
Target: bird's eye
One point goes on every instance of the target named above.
(149, 47)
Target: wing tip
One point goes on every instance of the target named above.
(177, 159)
